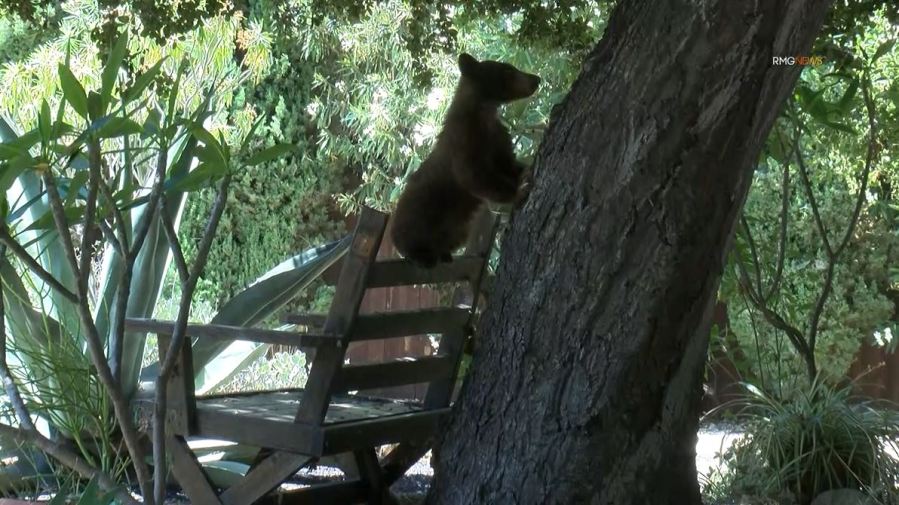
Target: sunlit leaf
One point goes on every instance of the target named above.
(111, 70)
(73, 90)
(270, 153)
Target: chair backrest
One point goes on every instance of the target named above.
(361, 271)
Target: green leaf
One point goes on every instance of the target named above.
(845, 103)
(45, 222)
(271, 153)
(9, 172)
(73, 91)
(10, 151)
(212, 150)
(176, 87)
(198, 178)
(117, 127)
(143, 81)
(111, 70)
(883, 49)
(843, 127)
(44, 121)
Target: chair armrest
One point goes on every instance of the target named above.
(223, 332)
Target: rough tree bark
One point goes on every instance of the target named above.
(587, 382)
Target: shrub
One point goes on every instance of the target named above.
(818, 440)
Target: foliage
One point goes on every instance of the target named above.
(821, 439)
(339, 89)
(784, 252)
(278, 371)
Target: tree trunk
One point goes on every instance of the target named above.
(587, 382)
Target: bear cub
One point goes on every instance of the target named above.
(472, 162)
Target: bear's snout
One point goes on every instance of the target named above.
(527, 85)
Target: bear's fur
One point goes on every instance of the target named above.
(472, 162)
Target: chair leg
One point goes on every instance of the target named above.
(401, 459)
(190, 474)
(373, 477)
(263, 477)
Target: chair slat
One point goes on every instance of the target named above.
(395, 324)
(394, 373)
(346, 436)
(227, 333)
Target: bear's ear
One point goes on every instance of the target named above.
(467, 64)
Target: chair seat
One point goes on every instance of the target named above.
(282, 406)
(266, 419)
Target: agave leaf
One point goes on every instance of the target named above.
(225, 473)
(148, 277)
(269, 293)
(230, 362)
(44, 246)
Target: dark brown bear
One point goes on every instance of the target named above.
(472, 162)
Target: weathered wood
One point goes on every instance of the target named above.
(342, 315)
(395, 373)
(323, 494)
(398, 461)
(440, 390)
(264, 477)
(385, 430)
(370, 472)
(260, 432)
(282, 406)
(399, 272)
(395, 324)
(223, 332)
(189, 474)
(182, 403)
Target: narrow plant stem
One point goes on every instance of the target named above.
(756, 266)
(28, 431)
(782, 236)
(120, 223)
(9, 384)
(174, 244)
(179, 335)
(113, 389)
(90, 211)
(68, 458)
(834, 255)
(137, 242)
(111, 237)
(34, 266)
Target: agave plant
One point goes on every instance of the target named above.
(108, 172)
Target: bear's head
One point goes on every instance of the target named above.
(495, 81)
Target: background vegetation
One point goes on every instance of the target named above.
(359, 88)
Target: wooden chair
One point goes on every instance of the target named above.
(298, 426)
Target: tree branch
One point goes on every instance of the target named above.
(9, 384)
(794, 335)
(87, 240)
(782, 238)
(834, 256)
(179, 336)
(174, 243)
(34, 266)
(68, 458)
(120, 223)
(120, 404)
(753, 251)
